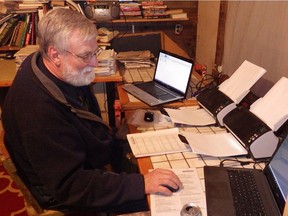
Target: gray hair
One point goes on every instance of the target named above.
(58, 25)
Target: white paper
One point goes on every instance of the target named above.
(272, 108)
(240, 82)
(190, 116)
(192, 192)
(156, 143)
(217, 145)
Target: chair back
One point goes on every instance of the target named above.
(32, 206)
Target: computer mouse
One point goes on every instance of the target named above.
(170, 188)
(149, 116)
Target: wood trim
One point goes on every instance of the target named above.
(220, 35)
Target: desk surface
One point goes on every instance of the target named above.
(187, 159)
(8, 73)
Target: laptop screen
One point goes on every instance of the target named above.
(277, 174)
(173, 71)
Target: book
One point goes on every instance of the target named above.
(57, 3)
(34, 27)
(174, 11)
(149, 3)
(179, 16)
(154, 7)
(20, 32)
(25, 27)
(29, 5)
(15, 34)
(6, 18)
(28, 34)
(7, 31)
(3, 27)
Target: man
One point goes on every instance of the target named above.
(54, 133)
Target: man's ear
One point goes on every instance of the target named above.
(54, 55)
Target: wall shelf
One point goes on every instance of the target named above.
(142, 20)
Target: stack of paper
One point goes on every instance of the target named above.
(193, 115)
(239, 84)
(216, 145)
(136, 59)
(272, 108)
(23, 53)
(106, 63)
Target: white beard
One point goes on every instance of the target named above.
(78, 78)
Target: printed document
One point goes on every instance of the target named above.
(272, 108)
(156, 143)
(192, 192)
(193, 115)
(239, 84)
(217, 145)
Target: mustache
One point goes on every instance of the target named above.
(87, 69)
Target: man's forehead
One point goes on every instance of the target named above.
(81, 46)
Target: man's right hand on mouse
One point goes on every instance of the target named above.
(159, 181)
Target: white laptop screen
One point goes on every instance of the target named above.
(173, 71)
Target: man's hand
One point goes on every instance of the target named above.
(155, 180)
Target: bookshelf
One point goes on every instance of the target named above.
(125, 24)
(25, 16)
(145, 20)
(187, 38)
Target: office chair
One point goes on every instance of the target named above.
(32, 206)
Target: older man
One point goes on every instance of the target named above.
(54, 132)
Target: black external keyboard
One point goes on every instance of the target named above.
(247, 200)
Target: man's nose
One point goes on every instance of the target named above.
(94, 61)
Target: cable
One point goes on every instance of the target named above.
(243, 163)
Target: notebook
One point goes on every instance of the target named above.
(271, 187)
(170, 82)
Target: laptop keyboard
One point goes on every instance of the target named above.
(155, 91)
(247, 200)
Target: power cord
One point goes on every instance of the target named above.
(244, 163)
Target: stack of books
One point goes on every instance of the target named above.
(136, 59)
(23, 53)
(130, 9)
(106, 63)
(153, 9)
(177, 14)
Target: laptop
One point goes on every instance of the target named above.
(271, 187)
(170, 82)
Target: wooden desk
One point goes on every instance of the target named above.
(8, 73)
(144, 162)
(186, 160)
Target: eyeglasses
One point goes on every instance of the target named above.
(86, 58)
